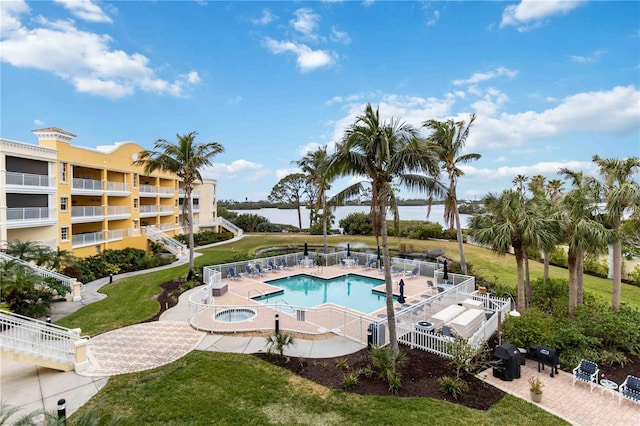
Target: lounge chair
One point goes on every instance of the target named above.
(630, 389)
(284, 264)
(586, 371)
(414, 273)
(370, 264)
(233, 275)
(272, 266)
(260, 269)
(396, 271)
(252, 272)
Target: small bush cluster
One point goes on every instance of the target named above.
(357, 224)
(596, 332)
(453, 386)
(203, 238)
(112, 261)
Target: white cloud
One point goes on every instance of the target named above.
(266, 18)
(548, 169)
(594, 57)
(234, 100)
(612, 112)
(484, 76)
(86, 10)
(280, 173)
(83, 58)
(307, 58)
(38, 122)
(340, 36)
(434, 18)
(245, 169)
(306, 22)
(530, 14)
(310, 147)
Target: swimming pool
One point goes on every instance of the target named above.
(352, 291)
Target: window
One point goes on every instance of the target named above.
(63, 172)
(135, 203)
(135, 180)
(176, 203)
(64, 204)
(64, 233)
(176, 220)
(135, 224)
(97, 249)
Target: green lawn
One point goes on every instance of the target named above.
(130, 300)
(205, 388)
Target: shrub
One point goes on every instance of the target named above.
(279, 342)
(386, 364)
(452, 386)
(430, 230)
(635, 275)
(351, 380)
(594, 265)
(357, 224)
(342, 363)
(249, 222)
(558, 257)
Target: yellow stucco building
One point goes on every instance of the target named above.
(88, 200)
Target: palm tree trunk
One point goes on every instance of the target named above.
(188, 190)
(579, 277)
(617, 274)
(324, 221)
(463, 260)
(391, 316)
(527, 276)
(545, 260)
(517, 250)
(299, 216)
(573, 282)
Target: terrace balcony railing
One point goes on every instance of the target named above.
(30, 213)
(148, 190)
(86, 239)
(118, 210)
(118, 187)
(86, 184)
(27, 179)
(87, 211)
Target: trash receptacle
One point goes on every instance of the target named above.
(375, 335)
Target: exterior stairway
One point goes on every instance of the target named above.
(237, 231)
(71, 284)
(172, 245)
(31, 341)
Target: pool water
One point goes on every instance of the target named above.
(352, 291)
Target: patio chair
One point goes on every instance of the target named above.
(370, 264)
(396, 271)
(586, 372)
(284, 264)
(252, 272)
(233, 275)
(260, 269)
(413, 273)
(272, 266)
(630, 389)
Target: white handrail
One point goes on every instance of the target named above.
(40, 271)
(171, 244)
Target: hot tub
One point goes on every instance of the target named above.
(235, 315)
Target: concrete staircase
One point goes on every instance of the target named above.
(31, 341)
(237, 231)
(171, 244)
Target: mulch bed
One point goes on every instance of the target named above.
(419, 374)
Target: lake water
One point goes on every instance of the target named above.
(290, 216)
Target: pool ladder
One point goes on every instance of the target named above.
(260, 294)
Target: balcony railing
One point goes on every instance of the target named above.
(166, 226)
(27, 179)
(194, 194)
(87, 211)
(87, 239)
(87, 184)
(148, 189)
(149, 208)
(165, 190)
(118, 210)
(117, 187)
(167, 208)
(30, 213)
(117, 234)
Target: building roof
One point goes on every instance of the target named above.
(54, 130)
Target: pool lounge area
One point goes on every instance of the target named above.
(231, 289)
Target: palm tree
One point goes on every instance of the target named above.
(25, 250)
(447, 140)
(520, 181)
(185, 158)
(537, 184)
(314, 164)
(383, 153)
(622, 195)
(581, 231)
(511, 221)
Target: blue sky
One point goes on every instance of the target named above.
(552, 82)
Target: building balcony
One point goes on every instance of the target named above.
(118, 212)
(149, 210)
(148, 190)
(118, 189)
(29, 217)
(165, 192)
(166, 210)
(118, 234)
(30, 183)
(86, 214)
(87, 239)
(194, 194)
(167, 226)
(86, 187)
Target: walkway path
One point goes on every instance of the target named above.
(574, 404)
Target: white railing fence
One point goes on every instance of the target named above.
(27, 179)
(237, 231)
(174, 246)
(37, 338)
(66, 281)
